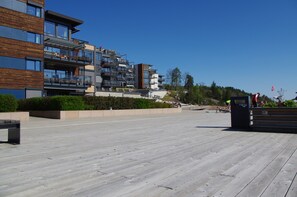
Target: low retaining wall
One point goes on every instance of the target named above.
(64, 115)
(22, 116)
(274, 119)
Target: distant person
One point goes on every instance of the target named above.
(228, 104)
(255, 99)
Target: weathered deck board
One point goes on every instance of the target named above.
(187, 154)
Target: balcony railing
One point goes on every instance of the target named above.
(67, 58)
(121, 78)
(130, 82)
(122, 69)
(107, 83)
(161, 79)
(108, 64)
(108, 73)
(153, 82)
(75, 81)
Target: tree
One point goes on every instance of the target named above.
(175, 76)
(226, 94)
(189, 93)
(215, 91)
(189, 82)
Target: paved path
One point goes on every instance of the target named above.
(187, 154)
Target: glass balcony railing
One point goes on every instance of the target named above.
(161, 79)
(68, 81)
(108, 83)
(130, 82)
(68, 58)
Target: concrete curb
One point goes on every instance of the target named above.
(65, 115)
(22, 116)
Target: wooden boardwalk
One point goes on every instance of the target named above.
(188, 154)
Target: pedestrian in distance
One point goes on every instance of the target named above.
(255, 99)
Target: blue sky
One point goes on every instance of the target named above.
(247, 44)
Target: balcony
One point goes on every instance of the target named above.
(61, 43)
(108, 73)
(106, 64)
(109, 83)
(74, 82)
(122, 69)
(153, 83)
(67, 58)
(121, 78)
(130, 82)
(161, 79)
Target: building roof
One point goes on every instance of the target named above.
(63, 18)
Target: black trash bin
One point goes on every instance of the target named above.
(240, 112)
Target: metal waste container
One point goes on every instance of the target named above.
(240, 112)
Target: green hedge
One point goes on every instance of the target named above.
(8, 103)
(290, 103)
(105, 103)
(52, 103)
(87, 103)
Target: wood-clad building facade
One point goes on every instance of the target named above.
(21, 49)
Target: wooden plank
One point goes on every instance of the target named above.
(187, 154)
(283, 183)
(258, 185)
(292, 192)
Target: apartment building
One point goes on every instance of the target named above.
(116, 72)
(161, 79)
(147, 77)
(21, 49)
(40, 57)
(65, 58)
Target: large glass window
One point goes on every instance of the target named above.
(61, 73)
(52, 49)
(62, 32)
(34, 10)
(49, 28)
(32, 37)
(89, 55)
(98, 58)
(33, 65)
(38, 38)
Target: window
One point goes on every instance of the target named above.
(33, 65)
(32, 37)
(89, 56)
(34, 10)
(14, 5)
(62, 32)
(146, 74)
(49, 28)
(98, 58)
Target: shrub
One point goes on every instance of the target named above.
(161, 105)
(105, 103)
(8, 103)
(142, 104)
(270, 104)
(290, 103)
(97, 103)
(52, 103)
(67, 103)
(33, 104)
(87, 103)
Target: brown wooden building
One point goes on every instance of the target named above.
(21, 49)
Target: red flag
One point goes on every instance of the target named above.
(272, 88)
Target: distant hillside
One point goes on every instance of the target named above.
(205, 95)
